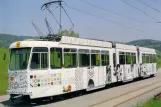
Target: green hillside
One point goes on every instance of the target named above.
(7, 39)
(147, 43)
(3, 71)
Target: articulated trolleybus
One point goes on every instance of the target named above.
(44, 68)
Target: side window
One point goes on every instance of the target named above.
(104, 58)
(121, 58)
(133, 57)
(151, 58)
(39, 58)
(84, 57)
(44, 60)
(70, 58)
(143, 58)
(35, 62)
(55, 58)
(95, 58)
(154, 58)
(19, 58)
(128, 58)
(147, 58)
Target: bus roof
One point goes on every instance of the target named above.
(64, 40)
(144, 49)
(85, 42)
(76, 41)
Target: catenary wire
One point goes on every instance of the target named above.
(110, 11)
(103, 18)
(139, 10)
(146, 4)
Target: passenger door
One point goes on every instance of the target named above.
(98, 77)
(84, 72)
(70, 69)
(105, 74)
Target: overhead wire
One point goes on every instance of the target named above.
(105, 19)
(139, 10)
(110, 11)
(116, 13)
(146, 4)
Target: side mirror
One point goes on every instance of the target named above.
(4, 57)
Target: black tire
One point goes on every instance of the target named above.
(91, 83)
(152, 75)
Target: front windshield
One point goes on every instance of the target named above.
(19, 58)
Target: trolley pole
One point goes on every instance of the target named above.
(60, 15)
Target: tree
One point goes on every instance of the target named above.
(68, 33)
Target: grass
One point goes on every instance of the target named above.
(158, 63)
(3, 71)
(151, 103)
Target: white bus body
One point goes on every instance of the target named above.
(46, 68)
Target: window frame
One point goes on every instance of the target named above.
(76, 52)
(154, 58)
(147, 56)
(47, 61)
(83, 51)
(95, 52)
(28, 64)
(122, 53)
(62, 57)
(143, 58)
(151, 58)
(128, 54)
(40, 59)
(104, 52)
(133, 55)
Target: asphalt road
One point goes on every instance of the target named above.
(100, 98)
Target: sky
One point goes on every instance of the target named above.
(16, 17)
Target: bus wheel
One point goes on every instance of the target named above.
(90, 83)
(152, 75)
